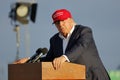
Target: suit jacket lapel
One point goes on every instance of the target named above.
(71, 39)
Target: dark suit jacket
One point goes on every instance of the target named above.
(81, 49)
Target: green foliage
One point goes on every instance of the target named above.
(115, 74)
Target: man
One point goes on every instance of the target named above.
(74, 43)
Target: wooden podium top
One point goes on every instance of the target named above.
(68, 71)
(45, 71)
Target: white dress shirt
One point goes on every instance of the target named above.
(65, 41)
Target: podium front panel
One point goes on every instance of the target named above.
(45, 71)
(28, 71)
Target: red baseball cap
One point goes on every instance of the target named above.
(60, 15)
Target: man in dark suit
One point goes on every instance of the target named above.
(74, 43)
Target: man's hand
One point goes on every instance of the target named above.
(57, 62)
(20, 61)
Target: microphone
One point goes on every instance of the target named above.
(39, 53)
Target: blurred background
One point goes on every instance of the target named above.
(21, 36)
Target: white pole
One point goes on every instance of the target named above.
(17, 30)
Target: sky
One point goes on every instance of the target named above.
(103, 16)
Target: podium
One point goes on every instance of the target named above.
(45, 71)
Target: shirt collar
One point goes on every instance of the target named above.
(62, 37)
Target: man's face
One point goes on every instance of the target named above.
(63, 27)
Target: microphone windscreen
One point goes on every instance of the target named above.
(44, 50)
(39, 50)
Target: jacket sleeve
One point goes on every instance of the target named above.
(80, 44)
(49, 56)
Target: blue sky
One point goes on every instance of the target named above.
(102, 16)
